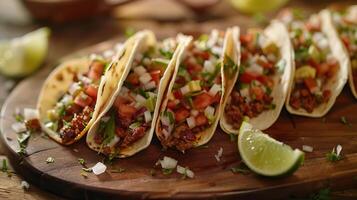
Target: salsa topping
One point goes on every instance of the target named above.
(314, 62)
(252, 93)
(196, 93)
(74, 109)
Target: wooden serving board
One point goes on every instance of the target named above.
(212, 179)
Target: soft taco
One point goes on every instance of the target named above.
(321, 64)
(72, 96)
(126, 125)
(260, 89)
(192, 103)
(345, 21)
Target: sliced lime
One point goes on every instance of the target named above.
(265, 155)
(22, 56)
(257, 6)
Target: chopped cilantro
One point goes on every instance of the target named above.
(117, 170)
(166, 54)
(167, 171)
(4, 167)
(129, 31)
(87, 169)
(109, 130)
(81, 161)
(332, 156)
(242, 168)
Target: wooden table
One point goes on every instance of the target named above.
(67, 38)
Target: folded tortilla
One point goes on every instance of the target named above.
(277, 34)
(146, 41)
(228, 54)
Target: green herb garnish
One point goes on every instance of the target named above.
(81, 161)
(333, 156)
(167, 171)
(50, 160)
(129, 31)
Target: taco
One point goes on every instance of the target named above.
(72, 96)
(192, 103)
(345, 22)
(260, 89)
(321, 64)
(126, 125)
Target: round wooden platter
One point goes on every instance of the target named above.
(212, 179)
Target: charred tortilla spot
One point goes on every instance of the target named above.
(121, 56)
(103, 87)
(59, 77)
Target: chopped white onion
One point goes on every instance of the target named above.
(168, 163)
(140, 70)
(84, 79)
(209, 111)
(150, 85)
(140, 99)
(214, 89)
(25, 185)
(138, 56)
(114, 141)
(213, 38)
(99, 168)
(338, 150)
(244, 92)
(194, 112)
(166, 133)
(307, 148)
(190, 173)
(73, 88)
(151, 94)
(18, 127)
(165, 120)
(191, 122)
(108, 53)
(185, 89)
(147, 116)
(67, 99)
(124, 90)
(30, 113)
(219, 154)
(208, 66)
(180, 169)
(146, 61)
(145, 78)
(217, 50)
(255, 68)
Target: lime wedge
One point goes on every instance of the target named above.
(22, 56)
(265, 155)
(257, 6)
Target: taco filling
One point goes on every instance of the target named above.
(74, 109)
(315, 65)
(131, 115)
(346, 24)
(195, 95)
(252, 92)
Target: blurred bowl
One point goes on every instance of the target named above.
(60, 11)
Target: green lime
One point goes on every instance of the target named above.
(23, 55)
(257, 6)
(265, 155)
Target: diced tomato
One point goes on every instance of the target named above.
(346, 41)
(265, 80)
(126, 111)
(295, 103)
(91, 90)
(247, 77)
(155, 76)
(265, 64)
(120, 101)
(217, 98)
(311, 84)
(83, 100)
(326, 94)
(244, 56)
(246, 38)
(202, 100)
(73, 108)
(202, 54)
(313, 63)
(96, 70)
(312, 27)
(120, 132)
(257, 92)
(304, 92)
(193, 68)
(201, 119)
(171, 104)
(181, 114)
(133, 79)
(322, 69)
(177, 94)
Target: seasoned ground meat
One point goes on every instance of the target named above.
(76, 125)
(133, 136)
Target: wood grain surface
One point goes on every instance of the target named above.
(315, 174)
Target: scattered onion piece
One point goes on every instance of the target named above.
(99, 168)
(307, 148)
